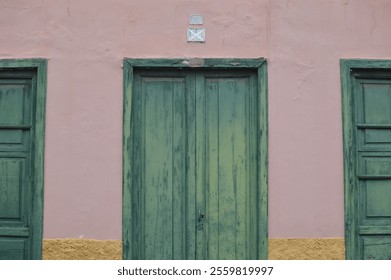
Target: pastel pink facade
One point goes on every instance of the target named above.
(86, 41)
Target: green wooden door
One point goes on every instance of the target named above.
(194, 165)
(17, 111)
(368, 220)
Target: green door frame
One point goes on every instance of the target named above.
(349, 69)
(129, 65)
(39, 66)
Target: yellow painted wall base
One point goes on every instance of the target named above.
(81, 249)
(307, 249)
(279, 249)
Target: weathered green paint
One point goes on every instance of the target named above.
(366, 99)
(22, 125)
(194, 175)
(262, 161)
(212, 63)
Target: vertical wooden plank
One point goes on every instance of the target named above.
(38, 156)
(190, 182)
(137, 156)
(212, 161)
(127, 160)
(252, 143)
(158, 169)
(262, 160)
(179, 172)
(201, 166)
(233, 127)
(349, 159)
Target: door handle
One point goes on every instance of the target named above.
(200, 221)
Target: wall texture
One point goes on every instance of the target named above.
(85, 42)
(81, 249)
(279, 249)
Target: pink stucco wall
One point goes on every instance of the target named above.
(85, 42)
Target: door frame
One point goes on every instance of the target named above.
(129, 65)
(39, 66)
(350, 68)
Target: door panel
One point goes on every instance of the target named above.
(377, 102)
(12, 104)
(194, 173)
(12, 181)
(375, 191)
(378, 193)
(374, 113)
(13, 248)
(15, 112)
(376, 248)
(228, 174)
(162, 183)
(164, 178)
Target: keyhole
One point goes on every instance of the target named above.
(200, 223)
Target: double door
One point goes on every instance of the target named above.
(194, 165)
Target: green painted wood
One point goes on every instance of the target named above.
(178, 163)
(201, 170)
(378, 126)
(127, 165)
(13, 188)
(12, 231)
(229, 204)
(262, 158)
(374, 230)
(377, 198)
(22, 116)
(366, 99)
(376, 247)
(161, 202)
(192, 173)
(163, 179)
(12, 248)
(212, 63)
